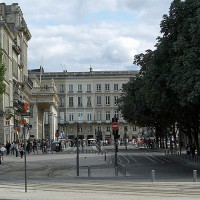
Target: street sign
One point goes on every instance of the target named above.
(115, 126)
(26, 114)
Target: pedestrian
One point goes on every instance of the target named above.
(16, 149)
(21, 150)
(188, 149)
(12, 148)
(8, 147)
(3, 149)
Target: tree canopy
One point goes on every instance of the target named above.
(167, 90)
(2, 73)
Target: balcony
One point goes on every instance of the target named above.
(43, 90)
(19, 105)
(9, 112)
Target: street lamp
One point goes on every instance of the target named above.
(77, 151)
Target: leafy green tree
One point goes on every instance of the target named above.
(170, 75)
(2, 73)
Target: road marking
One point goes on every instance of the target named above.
(150, 159)
(128, 161)
(131, 156)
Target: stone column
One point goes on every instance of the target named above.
(51, 123)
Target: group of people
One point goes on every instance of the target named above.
(17, 148)
(190, 149)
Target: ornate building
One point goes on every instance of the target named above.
(85, 98)
(53, 104)
(14, 37)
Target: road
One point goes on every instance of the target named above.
(139, 164)
(56, 174)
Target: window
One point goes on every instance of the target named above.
(125, 129)
(88, 87)
(134, 128)
(107, 100)
(71, 117)
(80, 116)
(80, 129)
(62, 101)
(117, 114)
(79, 87)
(107, 115)
(61, 88)
(89, 117)
(108, 128)
(89, 101)
(46, 118)
(62, 117)
(80, 103)
(71, 103)
(98, 87)
(90, 129)
(116, 99)
(70, 88)
(115, 86)
(98, 100)
(107, 87)
(98, 115)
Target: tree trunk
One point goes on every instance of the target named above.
(196, 141)
(174, 135)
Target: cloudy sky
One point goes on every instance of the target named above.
(104, 34)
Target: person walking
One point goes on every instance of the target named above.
(21, 150)
(16, 149)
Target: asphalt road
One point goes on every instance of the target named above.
(139, 164)
(54, 175)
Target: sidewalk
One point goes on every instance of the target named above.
(104, 191)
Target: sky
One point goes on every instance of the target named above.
(75, 35)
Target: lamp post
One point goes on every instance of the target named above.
(77, 150)
(25, 174)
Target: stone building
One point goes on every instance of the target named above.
(14, 37)
(88, 99)
(54, 104)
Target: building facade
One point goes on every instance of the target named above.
(14, 37)
(58, 104)
(87, 100)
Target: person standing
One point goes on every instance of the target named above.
(16, 149)
(8, 148)
(21, 150)
(3, 149)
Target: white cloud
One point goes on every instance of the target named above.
(80, 33)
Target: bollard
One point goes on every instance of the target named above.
(116, 171)
(89, 171)
(105, 156)
(194, 176)
(152, 176)
(124, 170)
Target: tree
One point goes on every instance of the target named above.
(170, 75)
(2, 74)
